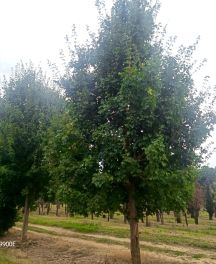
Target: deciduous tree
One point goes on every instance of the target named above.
(27, 107)
(134, 104)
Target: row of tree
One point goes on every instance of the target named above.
(204, 195)
(126, 134)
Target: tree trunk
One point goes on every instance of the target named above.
(134, 232)
(66, 209)
(196, 217)
(42, 208)
(147, 220)
(162, 217)
(25, 219)
(57, 208)
(111, 215)
(39, 211)
(211, 216)
(157, 216)
(48, 208)
(186, 220)
(178, 217)
(192, 213)
(125, 219)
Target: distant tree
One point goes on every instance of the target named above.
(8, 211)
(136, 109)
(197, 202)
(207, 178)
(28, 105)
(67, 158)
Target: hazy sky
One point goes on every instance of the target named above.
(35, 29)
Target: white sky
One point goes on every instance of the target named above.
(35, 29)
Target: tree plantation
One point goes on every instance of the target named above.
(123, 132)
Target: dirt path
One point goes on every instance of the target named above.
(72, 247)
(69, 233)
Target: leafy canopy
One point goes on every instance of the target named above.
(135, 104)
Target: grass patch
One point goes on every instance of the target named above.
(67, 224)
(198, 256)
(5, 259)
(81, 225)
(164, 250)
(166, 236)
(12, 256)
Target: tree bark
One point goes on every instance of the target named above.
(186, 220)
(157, 216)
(192, 213)
(196, 216)
(147, 220)
(48, 208)
(125, 219)
(111, 214)
(178, 217)
(42, 207)
(39, 211)
(210, 216)
(134, 232)
(66, 210)
(162, 217)
(25, 219)
(57, 208)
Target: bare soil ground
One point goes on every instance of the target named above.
(67, 247)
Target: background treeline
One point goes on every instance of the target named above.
(122, 129)
(203, 197)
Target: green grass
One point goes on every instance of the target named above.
(81, 225)
(67, 224)
(198, 256)
(161, 235)
(5, 259)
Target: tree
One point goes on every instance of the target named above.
(136, 108)
(8, 212)
(28, 105)
(67, 158)
(196, 202)
(207, 178)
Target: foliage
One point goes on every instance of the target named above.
(67, 160)
(207, 178)
(136, 108)
(26, 108)
(135, 104)
(8, 210)
(135, 122)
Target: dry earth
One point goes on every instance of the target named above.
(61, 246)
